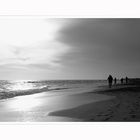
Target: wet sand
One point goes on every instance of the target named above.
(125, 107)
(37, 107)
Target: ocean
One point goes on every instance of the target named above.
(11, 88)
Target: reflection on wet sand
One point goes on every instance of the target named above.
(36, 107)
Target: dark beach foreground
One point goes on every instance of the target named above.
(125, 107)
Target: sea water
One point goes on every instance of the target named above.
(10, 88)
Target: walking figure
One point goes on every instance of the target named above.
(110, 80)
(115, 81)
(121, 80)
(126, 79)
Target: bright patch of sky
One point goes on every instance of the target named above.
(26, 41)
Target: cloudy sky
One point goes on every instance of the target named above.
(42, 48)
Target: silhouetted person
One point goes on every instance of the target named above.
(126, 80)
(115, 81)
(110, 80)
(121, 80)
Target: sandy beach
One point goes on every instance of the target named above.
(120, 103)
(124, 107)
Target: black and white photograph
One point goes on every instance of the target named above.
(69, 69)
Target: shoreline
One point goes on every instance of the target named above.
(36, 107)
(125, 107)
(12, 94)
(120, 103)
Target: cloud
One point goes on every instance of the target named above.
(30, 41)
(69, 48)
(109, 39)
(48, 53)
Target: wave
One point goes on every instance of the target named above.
(10, 94)
(9, 89)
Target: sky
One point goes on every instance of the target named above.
(41, 48)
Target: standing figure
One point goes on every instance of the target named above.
(126, 79)
(110, 80)
(121, 80)
(115, 81)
